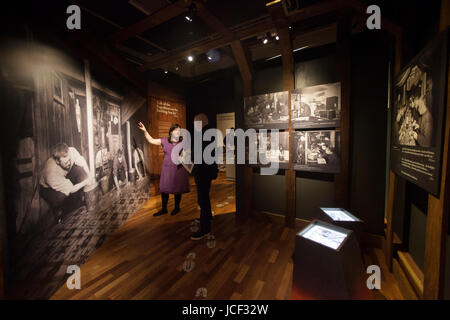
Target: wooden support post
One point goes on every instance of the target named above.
(393, 181)
(438, 208)
(248, 171)
(282, 24)
(245, 68)
(342, 180)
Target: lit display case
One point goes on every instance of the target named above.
(328, 264)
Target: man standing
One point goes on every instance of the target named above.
(203, 174)
(120, 170)
(64, 174)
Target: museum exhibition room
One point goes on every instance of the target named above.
(225, 150)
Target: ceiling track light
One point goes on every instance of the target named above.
(190, 14)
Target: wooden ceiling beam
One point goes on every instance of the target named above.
(211, 20)
(264, 25)
(151, 21)
(240, 55)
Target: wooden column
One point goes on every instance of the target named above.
(282, 24)
(342, 180)
(393, 181)
(245, 68)
(438, 208)
(289, 85)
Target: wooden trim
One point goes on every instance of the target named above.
(412, 272)
(438, 208)
(403, 282)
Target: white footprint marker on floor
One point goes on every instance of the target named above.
(201, 293)
(189, 264)
(211, 241)
(194, 225)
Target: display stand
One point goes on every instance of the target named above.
(328, 264)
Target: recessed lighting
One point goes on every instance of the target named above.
(265, 41)
(190, 58)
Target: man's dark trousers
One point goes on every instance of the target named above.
(203, 187)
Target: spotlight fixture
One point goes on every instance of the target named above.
(190, 58)
(190, 14)
(166, 71)
(265, 41)
(209, 58)
(277, 37)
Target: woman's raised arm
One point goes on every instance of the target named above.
(156, 142)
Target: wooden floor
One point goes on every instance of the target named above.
(154, 258)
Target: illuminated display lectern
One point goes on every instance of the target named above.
(328, 264)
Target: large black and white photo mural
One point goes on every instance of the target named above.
(74, 168)
(417, 116)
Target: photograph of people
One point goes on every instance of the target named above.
(414, 121)
(62, 178)
(120, 171)
(174, 178)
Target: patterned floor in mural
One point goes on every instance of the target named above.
(42, 270)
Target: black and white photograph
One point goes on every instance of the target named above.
(316, 106)
(316, 151)
(418, 109)
(267, 111)
(280, 154)
(74, 171)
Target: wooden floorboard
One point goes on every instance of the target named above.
(145, 258)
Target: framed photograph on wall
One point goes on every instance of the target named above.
(317, 151)
(418, 116)
(316, 106)
(267, 153)
(267, 111)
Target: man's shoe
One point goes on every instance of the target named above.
(175, 211)
(199, 235)
(160, 212)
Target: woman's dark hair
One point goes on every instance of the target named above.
(173, 127)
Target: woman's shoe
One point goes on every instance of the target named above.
(175, 211)
(160, 212)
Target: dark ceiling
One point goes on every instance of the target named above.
(172, 33)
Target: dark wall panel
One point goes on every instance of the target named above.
(369, 93)
(269, 193)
